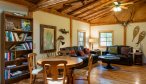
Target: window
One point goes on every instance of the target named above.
(81, 38)
(106, 38)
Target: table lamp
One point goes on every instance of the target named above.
(92, 40)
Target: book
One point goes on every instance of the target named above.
(25, 25)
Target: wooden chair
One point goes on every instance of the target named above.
(33, 67)
(51, 74)
(79, 74)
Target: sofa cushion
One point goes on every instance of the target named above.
(72, 53)
(81, 53)
(86, 50)
(113, 50)
(125, 50)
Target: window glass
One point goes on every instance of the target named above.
(106, 38)
(81, 38)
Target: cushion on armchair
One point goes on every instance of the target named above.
(72, 53)
(81, 53)
(86, 50)
(112, 50)
(125, 50)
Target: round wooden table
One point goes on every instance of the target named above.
(71, 63)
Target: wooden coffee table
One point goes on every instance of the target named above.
(109, 59)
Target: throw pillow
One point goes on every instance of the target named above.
(72, 52)
(125, 50)
(112, 50)
(87, 50)
(81, 53)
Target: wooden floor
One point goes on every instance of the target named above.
(123, 75)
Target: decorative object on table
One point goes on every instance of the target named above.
(92, 40)
(135, 32)
(60, 39)
(47, 38)
(63, 31)
(25, 25)
(141, 37)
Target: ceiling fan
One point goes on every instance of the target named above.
(118, 6)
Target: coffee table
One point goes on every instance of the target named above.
(109, 59)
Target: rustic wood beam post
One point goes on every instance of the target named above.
(125, 35)
(70, 31)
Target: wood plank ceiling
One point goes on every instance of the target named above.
(95, 12)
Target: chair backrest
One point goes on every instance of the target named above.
(90, 64)
(32, 61)
(53, 67)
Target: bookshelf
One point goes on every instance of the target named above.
(16, 43)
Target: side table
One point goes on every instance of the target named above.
(97, 52)
(138, 58)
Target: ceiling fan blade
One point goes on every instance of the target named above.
(123, 7)
(128, 3)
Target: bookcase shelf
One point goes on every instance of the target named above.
(19, 31)
(17, 78)
(17, 43)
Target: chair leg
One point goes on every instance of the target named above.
(88, 78)
(31, 77)
(34, 78)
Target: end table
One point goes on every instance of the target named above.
(138, 58)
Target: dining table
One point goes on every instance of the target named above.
(72, 62)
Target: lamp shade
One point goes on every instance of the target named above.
(92, 40)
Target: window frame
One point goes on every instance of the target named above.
(83, 31)
(106, 31)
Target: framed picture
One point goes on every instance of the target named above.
(47, 38)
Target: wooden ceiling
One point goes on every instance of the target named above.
(95, 12)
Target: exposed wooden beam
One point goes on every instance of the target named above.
(71, 26)
(30, 6)
(52, 4)
(83, 7)
(96, 9)
(94, 17)
(61, 14)
(65, 7)
(112, 23)
(96, 13)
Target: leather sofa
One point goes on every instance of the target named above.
(77, 54)
(124, 52)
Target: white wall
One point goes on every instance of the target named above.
(117, 30)
(118, 35)
(131, 27)
(80, 26)
(41, 17)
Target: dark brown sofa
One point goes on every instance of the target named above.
(124, 52)
(85, 57)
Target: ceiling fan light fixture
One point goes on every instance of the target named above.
(117, 9)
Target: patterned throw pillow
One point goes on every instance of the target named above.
(72, 53)
(113, 50)
(87, 50)
(81, 53)
(125, 50)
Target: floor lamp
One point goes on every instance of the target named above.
(92, 40)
